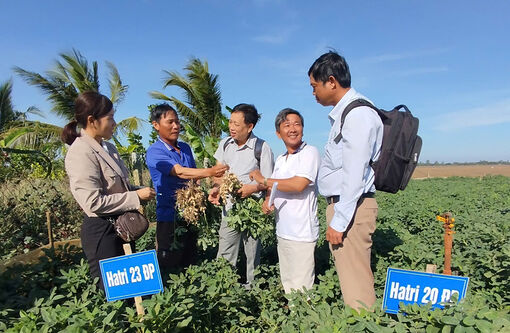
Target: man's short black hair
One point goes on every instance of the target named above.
(331, 64)
(282, 116)
(159, 110)
(250, 113)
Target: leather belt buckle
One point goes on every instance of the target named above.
(332, 199)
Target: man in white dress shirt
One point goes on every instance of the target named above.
(346, 178)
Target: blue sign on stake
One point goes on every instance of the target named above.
(131, 275)
(411, 287)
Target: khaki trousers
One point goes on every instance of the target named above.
(352, 258)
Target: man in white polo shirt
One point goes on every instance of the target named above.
(295, 201)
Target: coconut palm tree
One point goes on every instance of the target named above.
(9, 117)
(7, 113)
(15, 129)
(201, 107)
(72, 75)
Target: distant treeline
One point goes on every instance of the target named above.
(428, 163)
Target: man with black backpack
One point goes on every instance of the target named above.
(243, 152)
(346, 177)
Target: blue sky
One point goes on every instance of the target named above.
(449, 61)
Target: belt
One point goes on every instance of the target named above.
(335, 198)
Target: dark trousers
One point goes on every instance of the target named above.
(176, 245)
(99, 241)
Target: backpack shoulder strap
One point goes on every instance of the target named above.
(227, 142)
(258, 149)
(352, 105)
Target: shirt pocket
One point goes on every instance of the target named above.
(333, 155)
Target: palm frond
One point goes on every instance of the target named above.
(6, 107)
(78, 69)
(59, 73)
(71, 76)
(159, 95)
(31, 135)
(95, 75)
(60, 94)
(128, 125)
(192, 96)
(35, 111)
(188, 116)
(201, 105)
(175, 79)
(117, 89)
(197, 69)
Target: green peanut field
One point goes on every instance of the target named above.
(57, 294)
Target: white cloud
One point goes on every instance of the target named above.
(402, 55)
(419, 71)
(296, 65)
(277, 37)
(492, 114)
(263, 3)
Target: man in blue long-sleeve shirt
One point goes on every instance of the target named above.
(346, 178)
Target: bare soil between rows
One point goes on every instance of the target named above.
(477, 170)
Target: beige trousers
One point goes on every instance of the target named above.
(297, 264)
(352, 258)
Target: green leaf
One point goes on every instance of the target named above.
(450, 320)
(459, 329)
(469, 321)
(373, 327)
(185, 322)
(446, 329)
(432, 329)
(107, 320)
(483, 325)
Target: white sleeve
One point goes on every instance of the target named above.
(309, 162)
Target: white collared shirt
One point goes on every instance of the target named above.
(296, 212)
(241, 159)
(345, 169)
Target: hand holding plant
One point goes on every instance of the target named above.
(218, 170)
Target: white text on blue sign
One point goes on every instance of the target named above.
(410, 287)
(131, 275)
(428, 295)
(119, 277)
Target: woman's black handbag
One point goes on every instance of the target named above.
(131, 225)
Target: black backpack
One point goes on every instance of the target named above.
(400, 148)
(257, 151)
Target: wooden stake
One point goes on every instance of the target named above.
(448, 243)
(431, 268)
(50, 231)
(138, 299)
(448, 224)
(137, 169)
(137, 174)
